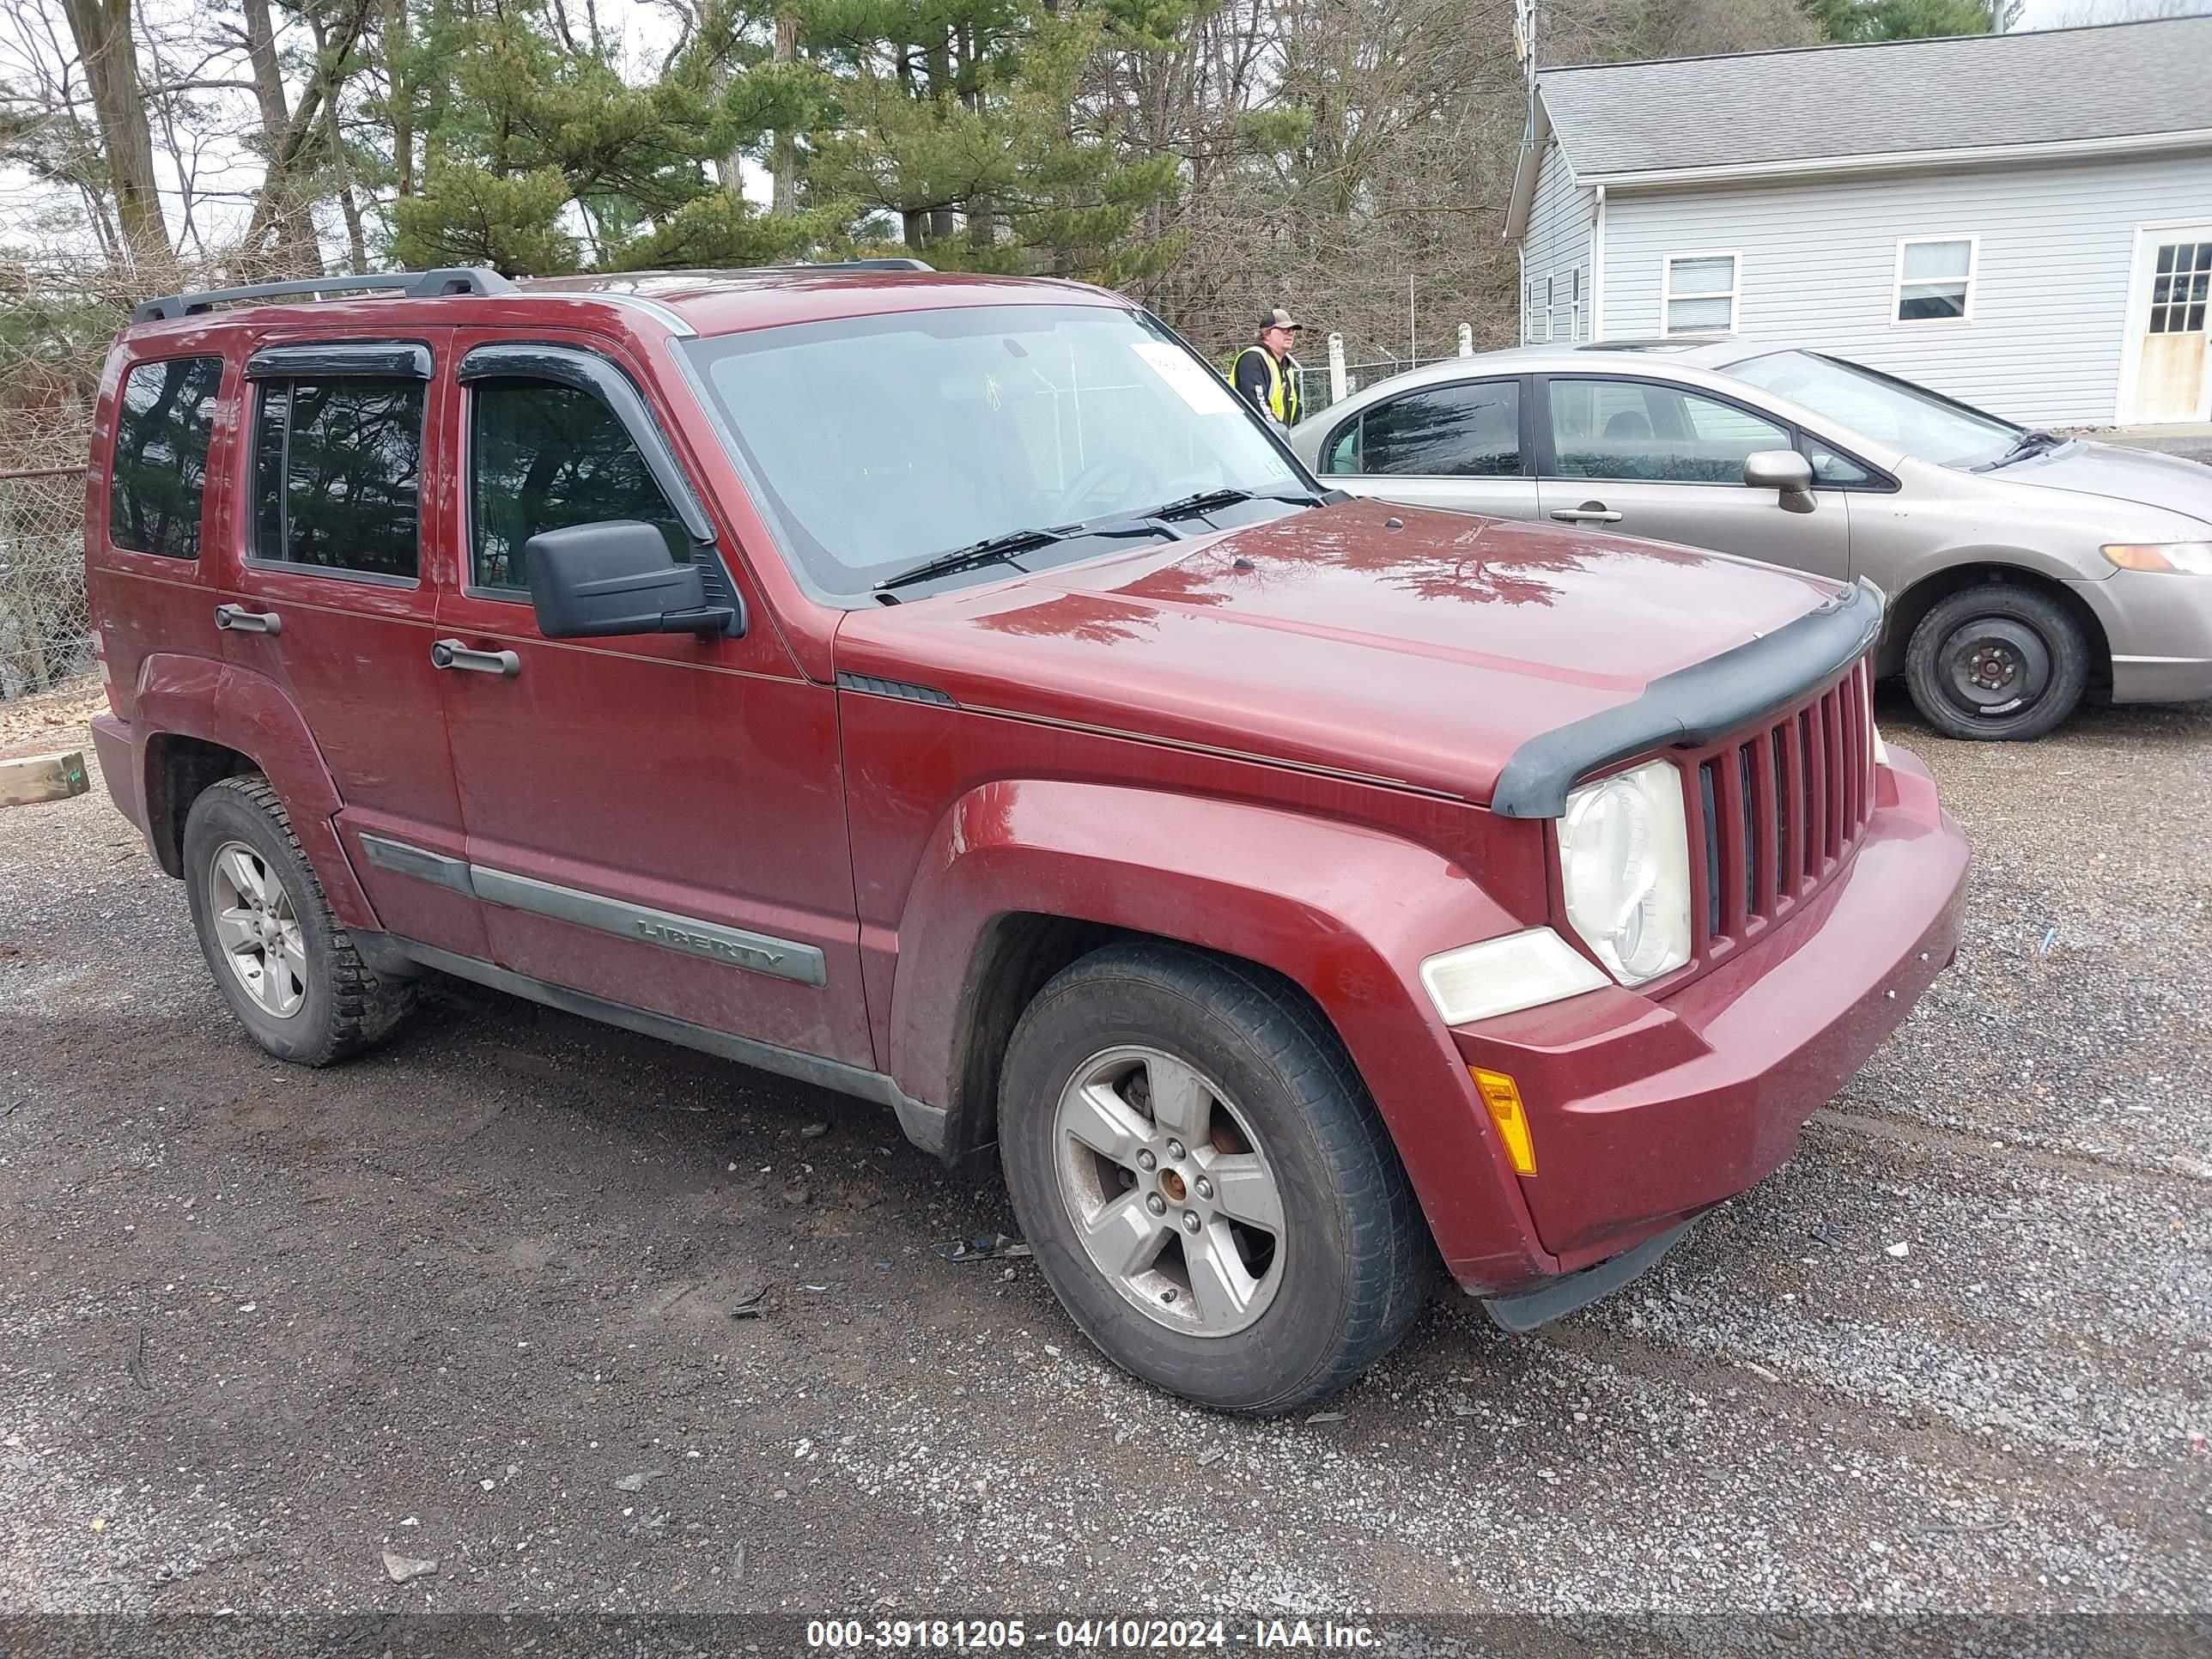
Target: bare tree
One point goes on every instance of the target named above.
(101, 29)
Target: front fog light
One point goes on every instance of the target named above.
(1505, 976)
(1625, 863)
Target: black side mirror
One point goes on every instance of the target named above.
(588, 581)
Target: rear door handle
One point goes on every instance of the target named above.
(1588, 512)
(237, 619)
(452, 653)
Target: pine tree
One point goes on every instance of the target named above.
(966, 123)
(539, 157)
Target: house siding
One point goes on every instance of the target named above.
(1556, 244)
(1818, 260)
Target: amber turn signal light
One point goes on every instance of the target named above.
(1502, 1096)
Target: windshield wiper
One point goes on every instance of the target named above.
(993, 550)
(1207, 500)
(2027, 444)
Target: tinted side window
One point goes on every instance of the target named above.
(1636, 431)
(1342, 454)
(160, 478)
(1471, 431)
(543, 457)
(338, 474)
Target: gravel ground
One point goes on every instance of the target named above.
(469, 1299)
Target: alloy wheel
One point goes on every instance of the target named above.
(1172, 1196)
(259, 929)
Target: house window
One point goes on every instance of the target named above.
(1698, 293)
(1540, 314)
(1935, 279)
(2177, 297)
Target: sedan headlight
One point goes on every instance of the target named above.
(2183, 558)
(1624, 863)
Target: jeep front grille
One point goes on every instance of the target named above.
(1776, 813)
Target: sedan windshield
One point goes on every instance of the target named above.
(1922, 423)
(875, 443)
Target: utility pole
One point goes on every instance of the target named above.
(1524, 51)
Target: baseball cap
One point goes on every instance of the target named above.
(1278, 317)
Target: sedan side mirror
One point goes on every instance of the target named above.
(1784, 470)
(614, 576)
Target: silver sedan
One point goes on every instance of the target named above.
(2024, 571)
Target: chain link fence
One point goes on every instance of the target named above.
(1315, 391)
(46, 632)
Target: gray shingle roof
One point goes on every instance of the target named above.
(2039, 86)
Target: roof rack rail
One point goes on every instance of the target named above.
(861, 264)
(411, 284)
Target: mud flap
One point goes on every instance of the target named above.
(1525, 1310)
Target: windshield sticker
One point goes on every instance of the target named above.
(1205, 392)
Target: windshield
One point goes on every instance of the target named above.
(1923, 425)
(874, 442)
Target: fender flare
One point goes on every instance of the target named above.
(238, 709)
(1347, 913)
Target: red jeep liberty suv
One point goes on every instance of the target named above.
(943, 689)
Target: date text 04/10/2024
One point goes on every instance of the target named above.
(1124, 1633)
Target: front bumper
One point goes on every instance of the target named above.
(1644, 1113)
(2158, 626)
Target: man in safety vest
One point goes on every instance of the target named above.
(1266, 372)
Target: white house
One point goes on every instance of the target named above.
(2022, 220)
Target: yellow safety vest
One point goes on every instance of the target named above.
(1282, 389)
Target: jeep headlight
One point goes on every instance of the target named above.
(1625, 863)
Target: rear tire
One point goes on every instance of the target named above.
(1272, 1251)
(288, 970)
(1996, 662)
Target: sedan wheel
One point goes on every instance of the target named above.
(1996, 660)
(1994, 666)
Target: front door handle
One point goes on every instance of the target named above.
(452, 653)
(1588, 512)
(237, 619)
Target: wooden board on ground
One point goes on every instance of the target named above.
(27, 778)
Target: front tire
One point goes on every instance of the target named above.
(1205, 1182)
(1996, 662)
(288, 969)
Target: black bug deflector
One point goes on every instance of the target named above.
(1694, 705)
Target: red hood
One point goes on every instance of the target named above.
(1424, 654)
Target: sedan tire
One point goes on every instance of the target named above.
(1996, 662)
